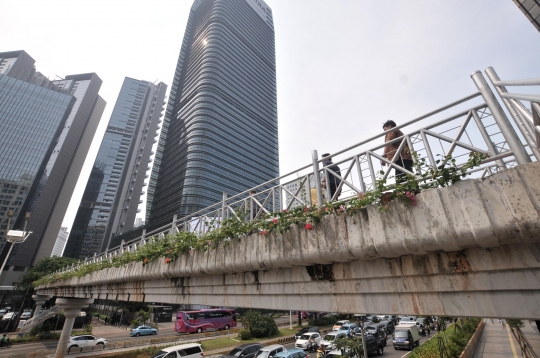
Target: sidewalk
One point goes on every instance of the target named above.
(496, 342)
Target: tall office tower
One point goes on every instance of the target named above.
(112, 195)
(60, 242)
(31, 119)
(220, 132)
(531, 9)
(51, 192)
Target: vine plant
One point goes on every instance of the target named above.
(171, 247)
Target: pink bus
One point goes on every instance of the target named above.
(204, 320)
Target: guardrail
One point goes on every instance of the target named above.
(524, 345)
(475, 123)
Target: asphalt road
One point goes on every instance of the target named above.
(389, 350)
(117, 335)
(113, 335)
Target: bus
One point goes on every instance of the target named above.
(204, 320)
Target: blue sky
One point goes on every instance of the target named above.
(343, 66)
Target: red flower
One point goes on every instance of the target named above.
(169, 250)
(145, 260)
(167, 260)
(285, 211)
(308, 227)
(264, 232)
(275, 221)
(306, 209)
(385, 198)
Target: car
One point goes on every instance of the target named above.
(189, 350)
(85, 341)
(247, 350)
(349, 328)
(373, 345)
(26, 315)
(306, 330)
(270, 351)
(304, 339)
(291, 353)
(388, 326)
(419, 321)
(372, 318)
(143, 330)
(328, 341)
(407, 319)
(9, 316)
(339, 324)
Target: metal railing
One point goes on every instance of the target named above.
(475, 123)
(524, 345)
(39, 318)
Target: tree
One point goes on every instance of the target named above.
(258, 325)
(44, 267)
(352, 347)
(142, 316)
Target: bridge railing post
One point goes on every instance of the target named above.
(502, 121)
(524, 125)
(317, 178)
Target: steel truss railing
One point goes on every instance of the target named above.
(524, 345)
(474, 126)
(39, 319)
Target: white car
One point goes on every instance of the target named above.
(338, 325)
(86, 341)
(328, 340)
(303, 341)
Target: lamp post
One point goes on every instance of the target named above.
(361, 318)
(15, 236)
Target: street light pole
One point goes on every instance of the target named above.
(15, 236)
(361, 323)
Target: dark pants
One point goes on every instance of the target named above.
(407, 164)
(333, 188)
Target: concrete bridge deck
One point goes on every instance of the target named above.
(472, 249)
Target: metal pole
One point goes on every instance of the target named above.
(7, 257)
(317, 178)
(223, 207)
(364, 348)
(290, 319)
(523, 125)
(502, 121)
(492, 148)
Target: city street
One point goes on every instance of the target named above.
(114, 334)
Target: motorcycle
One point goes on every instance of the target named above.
(422, 330)
(7, 343)
(312, 347)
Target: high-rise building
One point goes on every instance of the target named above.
(220, 132)
(531, 9)
(112, 195)
(60, 242)
(52, 184)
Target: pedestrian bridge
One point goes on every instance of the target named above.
(471, 249)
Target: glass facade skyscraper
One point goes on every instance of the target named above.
(220, 132)
(111, 197)
(31, 118)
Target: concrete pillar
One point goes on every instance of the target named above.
(72, 308)
(40, 300)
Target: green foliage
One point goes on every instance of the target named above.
(43, 268)
(322, 321)
(244, 334)
(134, 323)
(515, 323)
(143, 316)
(353, 346)
(456, 337)
(170, 247)
(259, 326)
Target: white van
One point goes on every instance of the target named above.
(406, 336)
(190, 350)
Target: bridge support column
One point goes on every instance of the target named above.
(40, 300)
(72, 308)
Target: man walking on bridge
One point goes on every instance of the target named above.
(405, 157)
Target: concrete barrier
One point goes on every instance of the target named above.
(87, 349)
(468, 352)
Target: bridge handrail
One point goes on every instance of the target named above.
(39, 318)
(497, 138)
